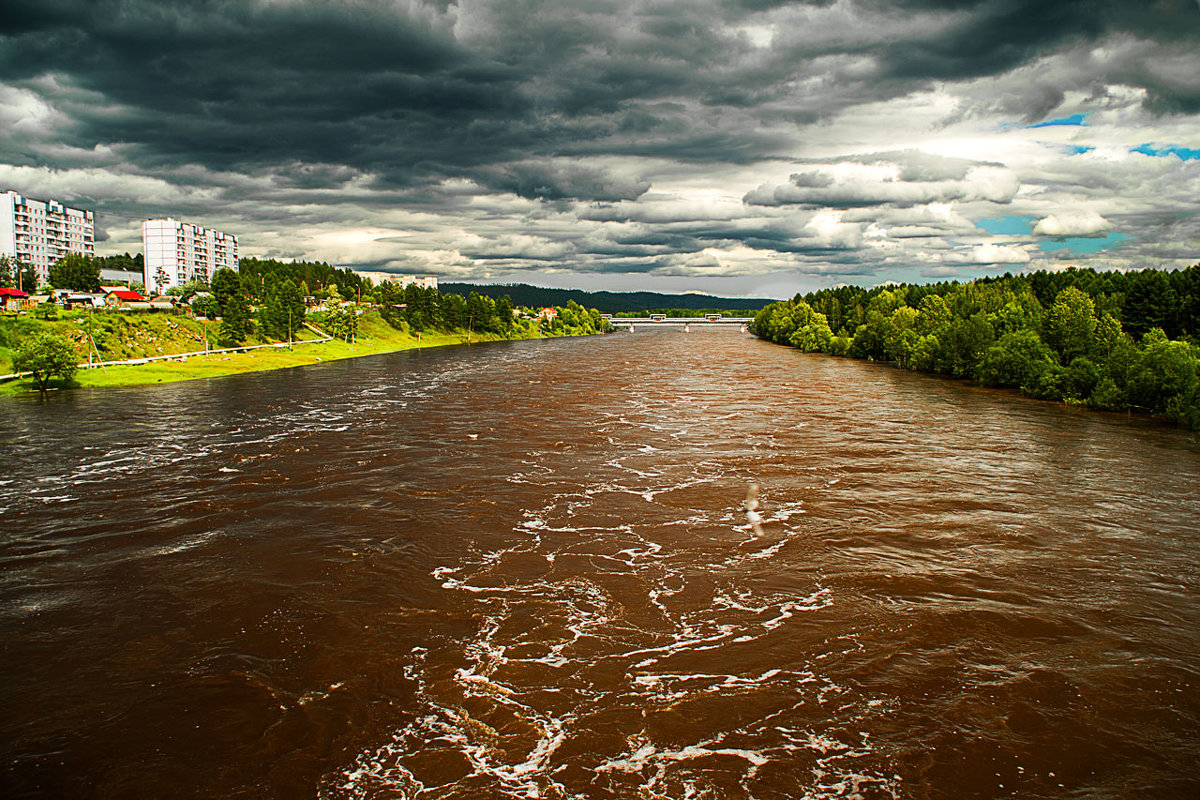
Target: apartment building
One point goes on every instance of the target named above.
(175, 253)
(427, 282)
(40, 232)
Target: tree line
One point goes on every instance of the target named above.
(631, 303)
(1113, 341)
(279, 290)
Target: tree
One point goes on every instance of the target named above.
(76, 272)
(27, 277)
(1017, 359)
(810, 330)
(47, 356)
(235, 322)
(8, 275)
(1167, 370)
(1151, 303)
(206, 306)
(282, 311)
(504, 312)
(186, 291)
(342, 322)
(226, 285)
(1070, 325)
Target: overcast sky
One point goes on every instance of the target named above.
(741, 148)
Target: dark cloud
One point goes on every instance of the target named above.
(558, 181)
(562, 114)
(234, 85)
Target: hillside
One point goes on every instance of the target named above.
(607, 302)
(116, 336)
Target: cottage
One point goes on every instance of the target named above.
(81, 300)
(14, 300)
(119, 297)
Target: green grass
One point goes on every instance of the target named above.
(129, 336)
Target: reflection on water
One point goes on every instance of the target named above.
(526, 571)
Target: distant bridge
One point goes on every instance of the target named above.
(655, 320)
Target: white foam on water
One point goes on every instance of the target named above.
(189, 543)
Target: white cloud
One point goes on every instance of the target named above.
(1071, 223)
(996, 254)
(886, 180)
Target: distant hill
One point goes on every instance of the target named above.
(606, 302)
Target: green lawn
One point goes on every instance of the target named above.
(160, 334)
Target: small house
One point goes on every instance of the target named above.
(83, 300)
(14, 300)
(120, 297)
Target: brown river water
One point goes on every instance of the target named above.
(523, 570)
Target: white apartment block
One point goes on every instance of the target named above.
(427, 282)
(175, 253)
(39, 232)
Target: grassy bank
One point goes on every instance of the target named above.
(127, 336)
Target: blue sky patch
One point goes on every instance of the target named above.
(1184, 153)
(1008, 226)
(1082, 244)
(1077, 149)
(1073, 120)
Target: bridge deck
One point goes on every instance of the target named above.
(624, 322)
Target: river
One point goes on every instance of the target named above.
(524, 570)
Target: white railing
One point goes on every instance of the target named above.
(185, 356)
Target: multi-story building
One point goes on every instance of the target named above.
(177, 252)
(427, 282)
(39, 232)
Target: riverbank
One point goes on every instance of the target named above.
(375, 336)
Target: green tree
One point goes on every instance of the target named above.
(75, 272)
(504, 313)
(235, 322)
(810, 329)
(282, 311)
(1018, 359)
(226, 285)
(1151, 303)
(187, 291)
(900, 336)
(8, 272)
(47, 356)
(1070, 325)
(206, 306)
(1166, 371)
(27, 277)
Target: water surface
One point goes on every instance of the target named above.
(523, 570)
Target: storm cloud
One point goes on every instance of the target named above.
(726, 146)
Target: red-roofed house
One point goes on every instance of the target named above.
(13, 300)
(118, 296)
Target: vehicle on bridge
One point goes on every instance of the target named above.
(657, 317)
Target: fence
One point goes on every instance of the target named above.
(185, 356)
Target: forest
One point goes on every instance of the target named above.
(1113, 341)
(618, 303)
(278, 290)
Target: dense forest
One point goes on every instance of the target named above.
(278, 290)
(610, 302)
(1108, 340)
